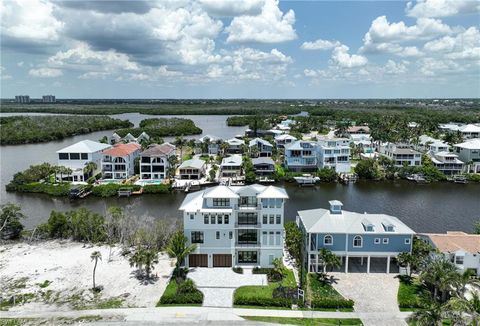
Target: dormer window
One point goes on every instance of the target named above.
(328, 240)
(388, 227)
(335, 206)
(369, 228)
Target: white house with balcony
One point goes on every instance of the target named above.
(469, 152)
(78, 155)
(260, 147)
(236, 225)
(334, 153)
(401, 154)
(193, 169)
(282, 140)
(231, 166)
(154, 161)
(433, 145)
(118, 162)
(447, 162)
(301, 155)
(461, 248)
(234, 145)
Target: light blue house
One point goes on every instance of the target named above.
(301, 155)
(365, 242)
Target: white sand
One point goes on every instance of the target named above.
(69, 267)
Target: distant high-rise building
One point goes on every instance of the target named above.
(48, 98)
(22, 99)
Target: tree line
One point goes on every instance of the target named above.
(162, 127)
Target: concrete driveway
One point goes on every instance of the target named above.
(372, 293)
(218, 284)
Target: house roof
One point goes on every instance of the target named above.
(210, 137)
(129, 136)
(220, 192)
(122, 150)
(193, 163)
(254, 142)
(297, 145)
(284, 137)
(470, 144)
(235, 141)
(321, 220)
(85, 146)
(262, 160)
(470, 128)
(354, 129)
(234, 160)
(159, 150)
(273, 192)
(455, 241)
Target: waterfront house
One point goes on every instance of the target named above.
(301, 155)
(193, 169)
(284, 139)
(401, 154)
(365, 242)
(129, 138)
(78, 155)
(234, 145)
(118, 162)
(263, 166)
(154, 161)
(468, 131)
(469, 151)
(263, 147)
(447, 162)
(209, 144)
(432, 145)
(231, 166)
(461, 248)
(363, 141)
(237, 225)
(143, 137)
(358, 130)
(334, 153)
(115, 138)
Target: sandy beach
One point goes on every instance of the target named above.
(67, 267)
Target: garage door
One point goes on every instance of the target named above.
(198, 260)
(222, 260)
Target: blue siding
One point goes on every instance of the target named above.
(396, 243)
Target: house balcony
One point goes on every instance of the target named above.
(107, 160)
(248, 244)
(248, 207)
(107, 168)
(247, 225)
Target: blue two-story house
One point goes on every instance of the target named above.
(365, 242)
(301, 155)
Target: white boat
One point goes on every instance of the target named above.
(417, 178)
(306, 180)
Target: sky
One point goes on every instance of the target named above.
(240, 49)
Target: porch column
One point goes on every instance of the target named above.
(368, 264)
(346, 264)
(388, 265)
(361, 260)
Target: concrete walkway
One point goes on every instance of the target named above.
(375, 297)
(219, 284)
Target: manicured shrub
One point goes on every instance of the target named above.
(185, 293)
(262, 302)
(327, 175)
(260, 270)
(330, 303)
(156, 189)
(57, 190)
(237, 270)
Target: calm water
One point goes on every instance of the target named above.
(425, 208)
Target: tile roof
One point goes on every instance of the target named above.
(455, 241)
(159, 150)
(122, 150)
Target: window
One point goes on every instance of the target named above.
(357, 241)
(206, 219)
(74, 156)
(192, 216)
(63, 156)
(247, 218)
(247, 236)
(369, 228)
(265, 219)
(219, 219)
(407, 241)
(84, 156)
(278, 238)
(376, 241)
(264, 237)
(328, 240)
(279, 219)
(212, 219)
(217, 235)
(271, 203)
(264, 203)
(278, 202)
(230, 235)
(227, 219)
(221, 202)
(385, 240)
(197, 237)
(271, 238)
(272, 219)
(459, 260)
(247, 256)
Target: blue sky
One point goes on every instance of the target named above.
(240, 49)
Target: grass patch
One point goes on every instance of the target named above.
(306, 321)
(44, 284)
(322, 295)
(171, 296)
(409, 291)
(14, 321)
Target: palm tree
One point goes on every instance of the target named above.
(180, 142)
(178, 248)
(468, 309)
(440, 274)
(144, 258)
(89, 168)
(172, 166)
(431, 313)
(95, 256)
(224, 147)
(329, 259)
(467, 278)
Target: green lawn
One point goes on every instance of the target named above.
(319, 290)
(323, 296)
(408, 292)
(266, 291)
(306, 321)
(171, 298)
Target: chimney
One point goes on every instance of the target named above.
(335, 207)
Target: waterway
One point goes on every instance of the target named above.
(425, 208)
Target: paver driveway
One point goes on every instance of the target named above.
(372, 293)
(218, 284)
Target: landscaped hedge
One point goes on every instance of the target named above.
(332, 303)
(156, 189)
(259, 270)
(263, 302)
(61, 189)
(173, 296)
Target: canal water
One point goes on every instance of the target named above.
(425, 208)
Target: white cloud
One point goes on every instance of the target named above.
(410, 51)
(45, 72)
(435, 67)
(395, 68)
(320, 45)
(341, 58)
(464, 45)
(270, 26)
(4, 76)
(382, 34)
(232, 8)
(441, 8)
(20, 64)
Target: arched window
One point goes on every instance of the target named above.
(118, 160)
(357, 241)
(328, 240)
(157, 160)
